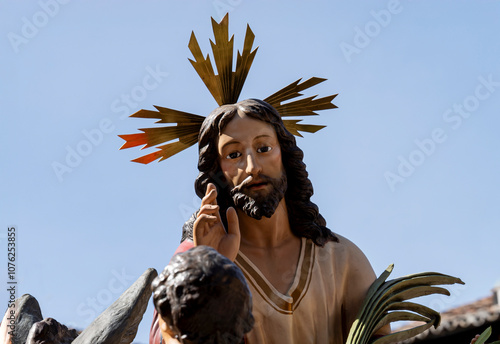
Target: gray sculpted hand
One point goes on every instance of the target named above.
(209, 230)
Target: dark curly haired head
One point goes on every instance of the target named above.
(203, 298)
(304, 216)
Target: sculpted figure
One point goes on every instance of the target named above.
(202, 298)
(307, 283)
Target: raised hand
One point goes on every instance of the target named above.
(209, 229)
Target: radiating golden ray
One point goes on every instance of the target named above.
(244, 62)
(301, 107)
(292, 90)
(186, 131)
(294, 127)
(305, 107)
(166, 115)
(226, 88)
(166, 151)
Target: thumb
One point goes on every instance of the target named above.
(233, 225)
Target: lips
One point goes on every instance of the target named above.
(256, 185)
(252, 183)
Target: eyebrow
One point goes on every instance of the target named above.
(232, 142)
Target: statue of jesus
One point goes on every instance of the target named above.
(307, 283)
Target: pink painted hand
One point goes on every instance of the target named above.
(209, 230)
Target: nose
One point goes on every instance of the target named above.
(253, 166)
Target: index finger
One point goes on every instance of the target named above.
(210, 195)
(210, 187)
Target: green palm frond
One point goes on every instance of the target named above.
(386, 302)
(484, 336)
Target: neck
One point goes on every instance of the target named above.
(266, 232)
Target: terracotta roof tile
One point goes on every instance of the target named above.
(473, 314)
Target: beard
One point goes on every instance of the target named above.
(261, 204)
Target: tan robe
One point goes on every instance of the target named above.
(327, 291)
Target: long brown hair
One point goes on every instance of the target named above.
(304, 216)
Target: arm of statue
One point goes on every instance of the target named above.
(209, 230)
(360, 276)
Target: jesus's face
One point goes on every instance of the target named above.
(250, 158)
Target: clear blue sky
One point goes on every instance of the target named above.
(407, 168)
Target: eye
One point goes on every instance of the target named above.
(264, 149)
(233, 155)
